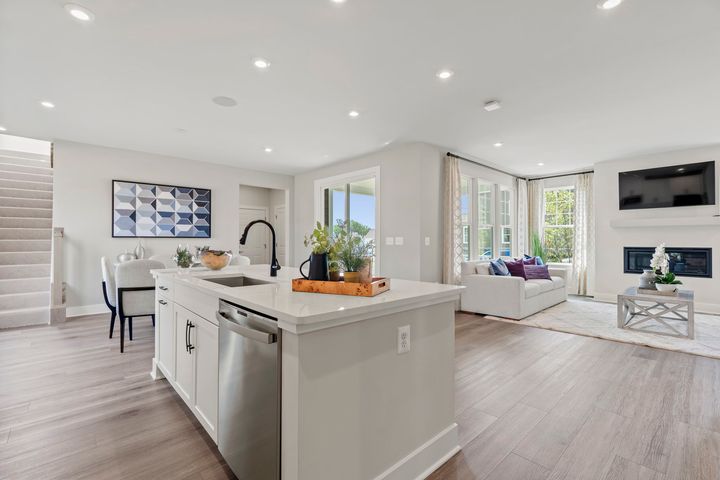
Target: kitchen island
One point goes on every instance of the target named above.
(352, 406)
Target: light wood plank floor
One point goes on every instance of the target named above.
(531, 404)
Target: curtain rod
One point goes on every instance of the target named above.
(450, 154)
(561, 175)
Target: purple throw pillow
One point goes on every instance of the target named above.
(537, 272)
(529, 261)
(516, 268)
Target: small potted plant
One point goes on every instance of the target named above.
(183, 258)
(321, 243)
(667, 282)
(334, 270)
(355, 255)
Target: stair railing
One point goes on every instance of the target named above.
(57, 287)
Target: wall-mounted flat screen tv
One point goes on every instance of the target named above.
(677, 186)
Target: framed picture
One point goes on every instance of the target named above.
(155, 210)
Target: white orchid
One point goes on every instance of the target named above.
(660, 260)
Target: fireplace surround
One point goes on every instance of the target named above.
(684, 262)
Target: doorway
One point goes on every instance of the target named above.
(269, 204)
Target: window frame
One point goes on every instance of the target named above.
(557, 225)
(511, 218)
(346, 178)
(495, 212)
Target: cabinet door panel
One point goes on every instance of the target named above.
(165, 330)
(184, 360)
(206, 374)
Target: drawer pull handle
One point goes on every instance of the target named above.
(162, 302)
(163, 288)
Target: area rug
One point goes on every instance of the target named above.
(595, 319)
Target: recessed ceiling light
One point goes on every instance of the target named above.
(492, 105)
(338, 1)
(3, 129)
(608, 4)
(498, 144)
(268, 149)
(353, 114)
(180, 130)
(444, 74)
(47, 104)
(224, 101)
(261, 63)
(79, 12)
(540, 164)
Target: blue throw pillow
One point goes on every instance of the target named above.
(499, 267)
(538, 260)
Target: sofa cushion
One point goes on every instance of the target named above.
(538, 260)
(483, 268)
(544, 286)
(516, 269)
(528, 260)
(537, 272)
(499, 268)
(467, 268)
(558, 282)
(532, 288)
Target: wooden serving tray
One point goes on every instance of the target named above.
(378, 286)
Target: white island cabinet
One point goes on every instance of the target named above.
(355, 402)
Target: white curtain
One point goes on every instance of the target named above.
(523, 239)
(536, 209)
(584, 255)
(452, 222)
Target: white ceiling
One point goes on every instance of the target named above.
(578, 85)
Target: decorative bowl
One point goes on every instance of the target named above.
(215, 259)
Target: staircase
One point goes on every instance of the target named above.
(26, 185)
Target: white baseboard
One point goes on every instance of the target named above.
(709, 308)
(425, 459)
(85, 310)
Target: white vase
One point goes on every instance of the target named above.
(139, 251)
(661, 287)
(647, 279)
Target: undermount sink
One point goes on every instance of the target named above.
(239, 281)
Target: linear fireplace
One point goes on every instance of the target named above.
(684, 262)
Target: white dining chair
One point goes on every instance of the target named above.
(109, 289)
(165, 258)
(135, 293)
(240, 260)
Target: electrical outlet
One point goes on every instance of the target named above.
(427, 241)
(389, 240)
(403, 339)
(399, 240)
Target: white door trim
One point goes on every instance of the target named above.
(267, 231)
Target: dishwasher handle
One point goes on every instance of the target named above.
(247, 332)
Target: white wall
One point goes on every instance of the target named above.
(25, 145)
(82, 204)
(410, 206)
(610, 240)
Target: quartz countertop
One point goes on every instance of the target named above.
(301, 312)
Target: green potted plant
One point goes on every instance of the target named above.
(355, 255)
(183, 258)
(667, 282)
(334, 270)
(321, 243)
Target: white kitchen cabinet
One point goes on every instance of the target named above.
(165, 330)
(205, 341)
(184, 359)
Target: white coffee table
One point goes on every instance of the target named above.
(637, 308)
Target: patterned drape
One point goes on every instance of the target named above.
(452, 222)
(584, 255)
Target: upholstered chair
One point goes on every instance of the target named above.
(167, 259)
(135, 293)
(240, 260)
(109, 289)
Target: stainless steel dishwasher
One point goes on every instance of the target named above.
(249, 396)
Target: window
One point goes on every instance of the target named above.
(487, 219)
(350, 201)
(465, 202)
(559, 224)
(506, 236)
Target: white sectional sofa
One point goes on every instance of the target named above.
(509, 297)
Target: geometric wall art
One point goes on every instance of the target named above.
(147, 210)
